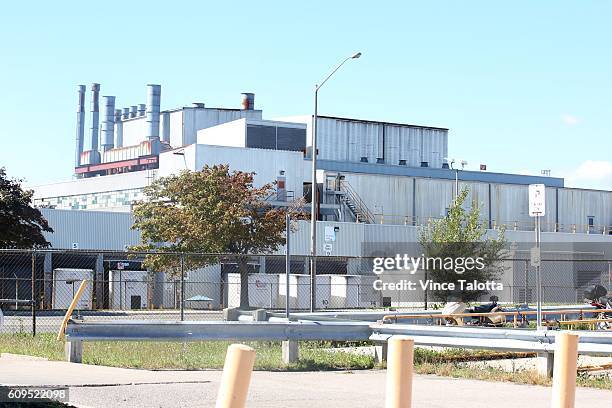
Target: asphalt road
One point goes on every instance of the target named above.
(96, 386)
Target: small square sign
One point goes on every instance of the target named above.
(537, 200)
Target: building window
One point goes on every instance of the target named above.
(591, 223)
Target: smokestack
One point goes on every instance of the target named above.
(142, 110)
(108, 123)
(80, 130)
(95, 115)
(248, 101)
(153, 111)
(118, 129)
(126, 113)
(133, 111)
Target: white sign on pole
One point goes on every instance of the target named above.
(537, 200)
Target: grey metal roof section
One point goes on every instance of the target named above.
(429, 172)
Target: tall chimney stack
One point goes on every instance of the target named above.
(118, 129)
(153, 111)
(108, 123)
(80, 130)
(248, 101)
(95, 115)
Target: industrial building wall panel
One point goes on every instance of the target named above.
(90, 229)
(392, 145)
(176, 128)
(267, 164)
(134, 131)
(388, 198)
(576, 206)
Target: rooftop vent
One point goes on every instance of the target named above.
(248, 101)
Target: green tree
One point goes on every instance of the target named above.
(21, 225)
(460, 235)
(213, 211)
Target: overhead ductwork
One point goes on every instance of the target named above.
(118, 129)
(80, 125)
(95, 115)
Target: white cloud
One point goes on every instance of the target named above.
(595, 174)
(570, 120)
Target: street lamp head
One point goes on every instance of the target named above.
(357, 55)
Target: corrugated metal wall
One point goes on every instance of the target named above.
(90, 229)
(353, 140)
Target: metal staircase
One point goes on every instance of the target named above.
(354, 203)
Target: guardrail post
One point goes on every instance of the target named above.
(564, 380)
(236, 376)
(290, 351)
(399, 372)
(380, 352)
(73, 350)
(545, 363)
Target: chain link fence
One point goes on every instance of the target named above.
(37, 287)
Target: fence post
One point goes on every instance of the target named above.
(400, 362)
(564, 378)
(182, 287)
(33, 295)
(236, 376)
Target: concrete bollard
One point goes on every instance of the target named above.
(236, 376)
(290, 351)
(564, 378)
(400, 363)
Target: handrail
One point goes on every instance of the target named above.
(359, 203)
(396, 219)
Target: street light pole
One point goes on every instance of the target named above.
(313, 190)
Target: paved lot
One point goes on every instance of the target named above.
(95, 386)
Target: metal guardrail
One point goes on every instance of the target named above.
(139, 330)
(592, 343)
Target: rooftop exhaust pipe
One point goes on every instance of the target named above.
(108, 123)
(153, 111)
(80, 131)
(142, 109)
(133, 111)
(248, 101)
(95, 115)
(126, 113)
(118, 129)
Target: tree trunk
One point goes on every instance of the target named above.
(243, 267)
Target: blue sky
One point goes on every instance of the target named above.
(522, 86)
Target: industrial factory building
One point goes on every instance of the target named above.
(376, 181)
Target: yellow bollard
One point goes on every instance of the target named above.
(564, 372)
(236, 376)
(400, 360)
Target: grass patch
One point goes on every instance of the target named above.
(187, 355)
(313, 357)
